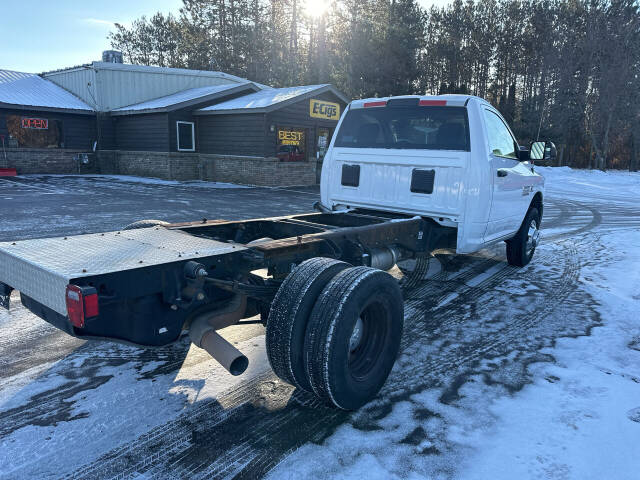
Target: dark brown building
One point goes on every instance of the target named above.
(42, 125)
(272, 122)
(224, 128)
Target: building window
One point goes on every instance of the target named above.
(186, 136)
(34, 131)
(289, 137)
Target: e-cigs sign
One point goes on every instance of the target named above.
(35, 123)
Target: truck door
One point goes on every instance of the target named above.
(508, 177)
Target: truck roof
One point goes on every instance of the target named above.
(435, 100)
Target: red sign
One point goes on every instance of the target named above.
(36, 123)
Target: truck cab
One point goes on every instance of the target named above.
(450, 158)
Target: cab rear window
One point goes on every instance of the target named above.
(405, 127)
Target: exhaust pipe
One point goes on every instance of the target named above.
(222, 351)
(203, 335)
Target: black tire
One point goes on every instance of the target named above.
(145, 224)
(344, 373)
(289, 315)
(520, 248)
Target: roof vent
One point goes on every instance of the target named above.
(112, 56)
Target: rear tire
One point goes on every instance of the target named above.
(520, 249)
(289, 315)
(145, 224)
(353, 336)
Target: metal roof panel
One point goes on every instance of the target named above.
(263, 99)
(28, 89)
(183, 97)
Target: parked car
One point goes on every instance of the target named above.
(290, 153)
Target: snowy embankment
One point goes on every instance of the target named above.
(578, 415)
(594, 185)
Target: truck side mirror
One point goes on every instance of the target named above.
(545, 151)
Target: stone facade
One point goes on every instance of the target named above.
(165, 165)
(210, 167)
(258, 171)
(47, 160)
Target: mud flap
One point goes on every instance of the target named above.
(5, 295)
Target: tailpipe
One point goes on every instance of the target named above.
(203, 334)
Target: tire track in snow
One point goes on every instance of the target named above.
(211, 417)
(208, 431)
(258, 454)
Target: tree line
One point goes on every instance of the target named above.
(565, 70)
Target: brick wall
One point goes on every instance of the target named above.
(165, 165)
(257, 170)
(46, 160)
(211, 167)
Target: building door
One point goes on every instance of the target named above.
(322, 142)
(323, 138)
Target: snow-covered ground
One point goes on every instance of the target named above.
(504, 373)
(594, 185)
(578, 416)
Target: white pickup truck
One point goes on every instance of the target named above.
(403, 177)
(452, 158)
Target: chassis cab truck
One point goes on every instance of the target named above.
(402, 178)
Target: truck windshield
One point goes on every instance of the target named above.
(407, 126)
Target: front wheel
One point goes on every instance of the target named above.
(522, 246)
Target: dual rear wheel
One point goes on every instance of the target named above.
(334, 330)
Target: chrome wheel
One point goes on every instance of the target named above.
(533, 237)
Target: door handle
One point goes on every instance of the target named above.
(502, 173)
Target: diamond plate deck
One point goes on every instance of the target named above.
(42, 268)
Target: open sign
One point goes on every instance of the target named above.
(35, 123)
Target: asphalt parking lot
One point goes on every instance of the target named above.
(46, 205)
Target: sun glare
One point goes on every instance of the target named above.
(316, 8)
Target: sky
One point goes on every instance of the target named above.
(41, 35)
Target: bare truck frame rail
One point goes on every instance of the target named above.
(150, 285)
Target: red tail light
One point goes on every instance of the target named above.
(82, 303)
(432, 103)
(375, 104)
